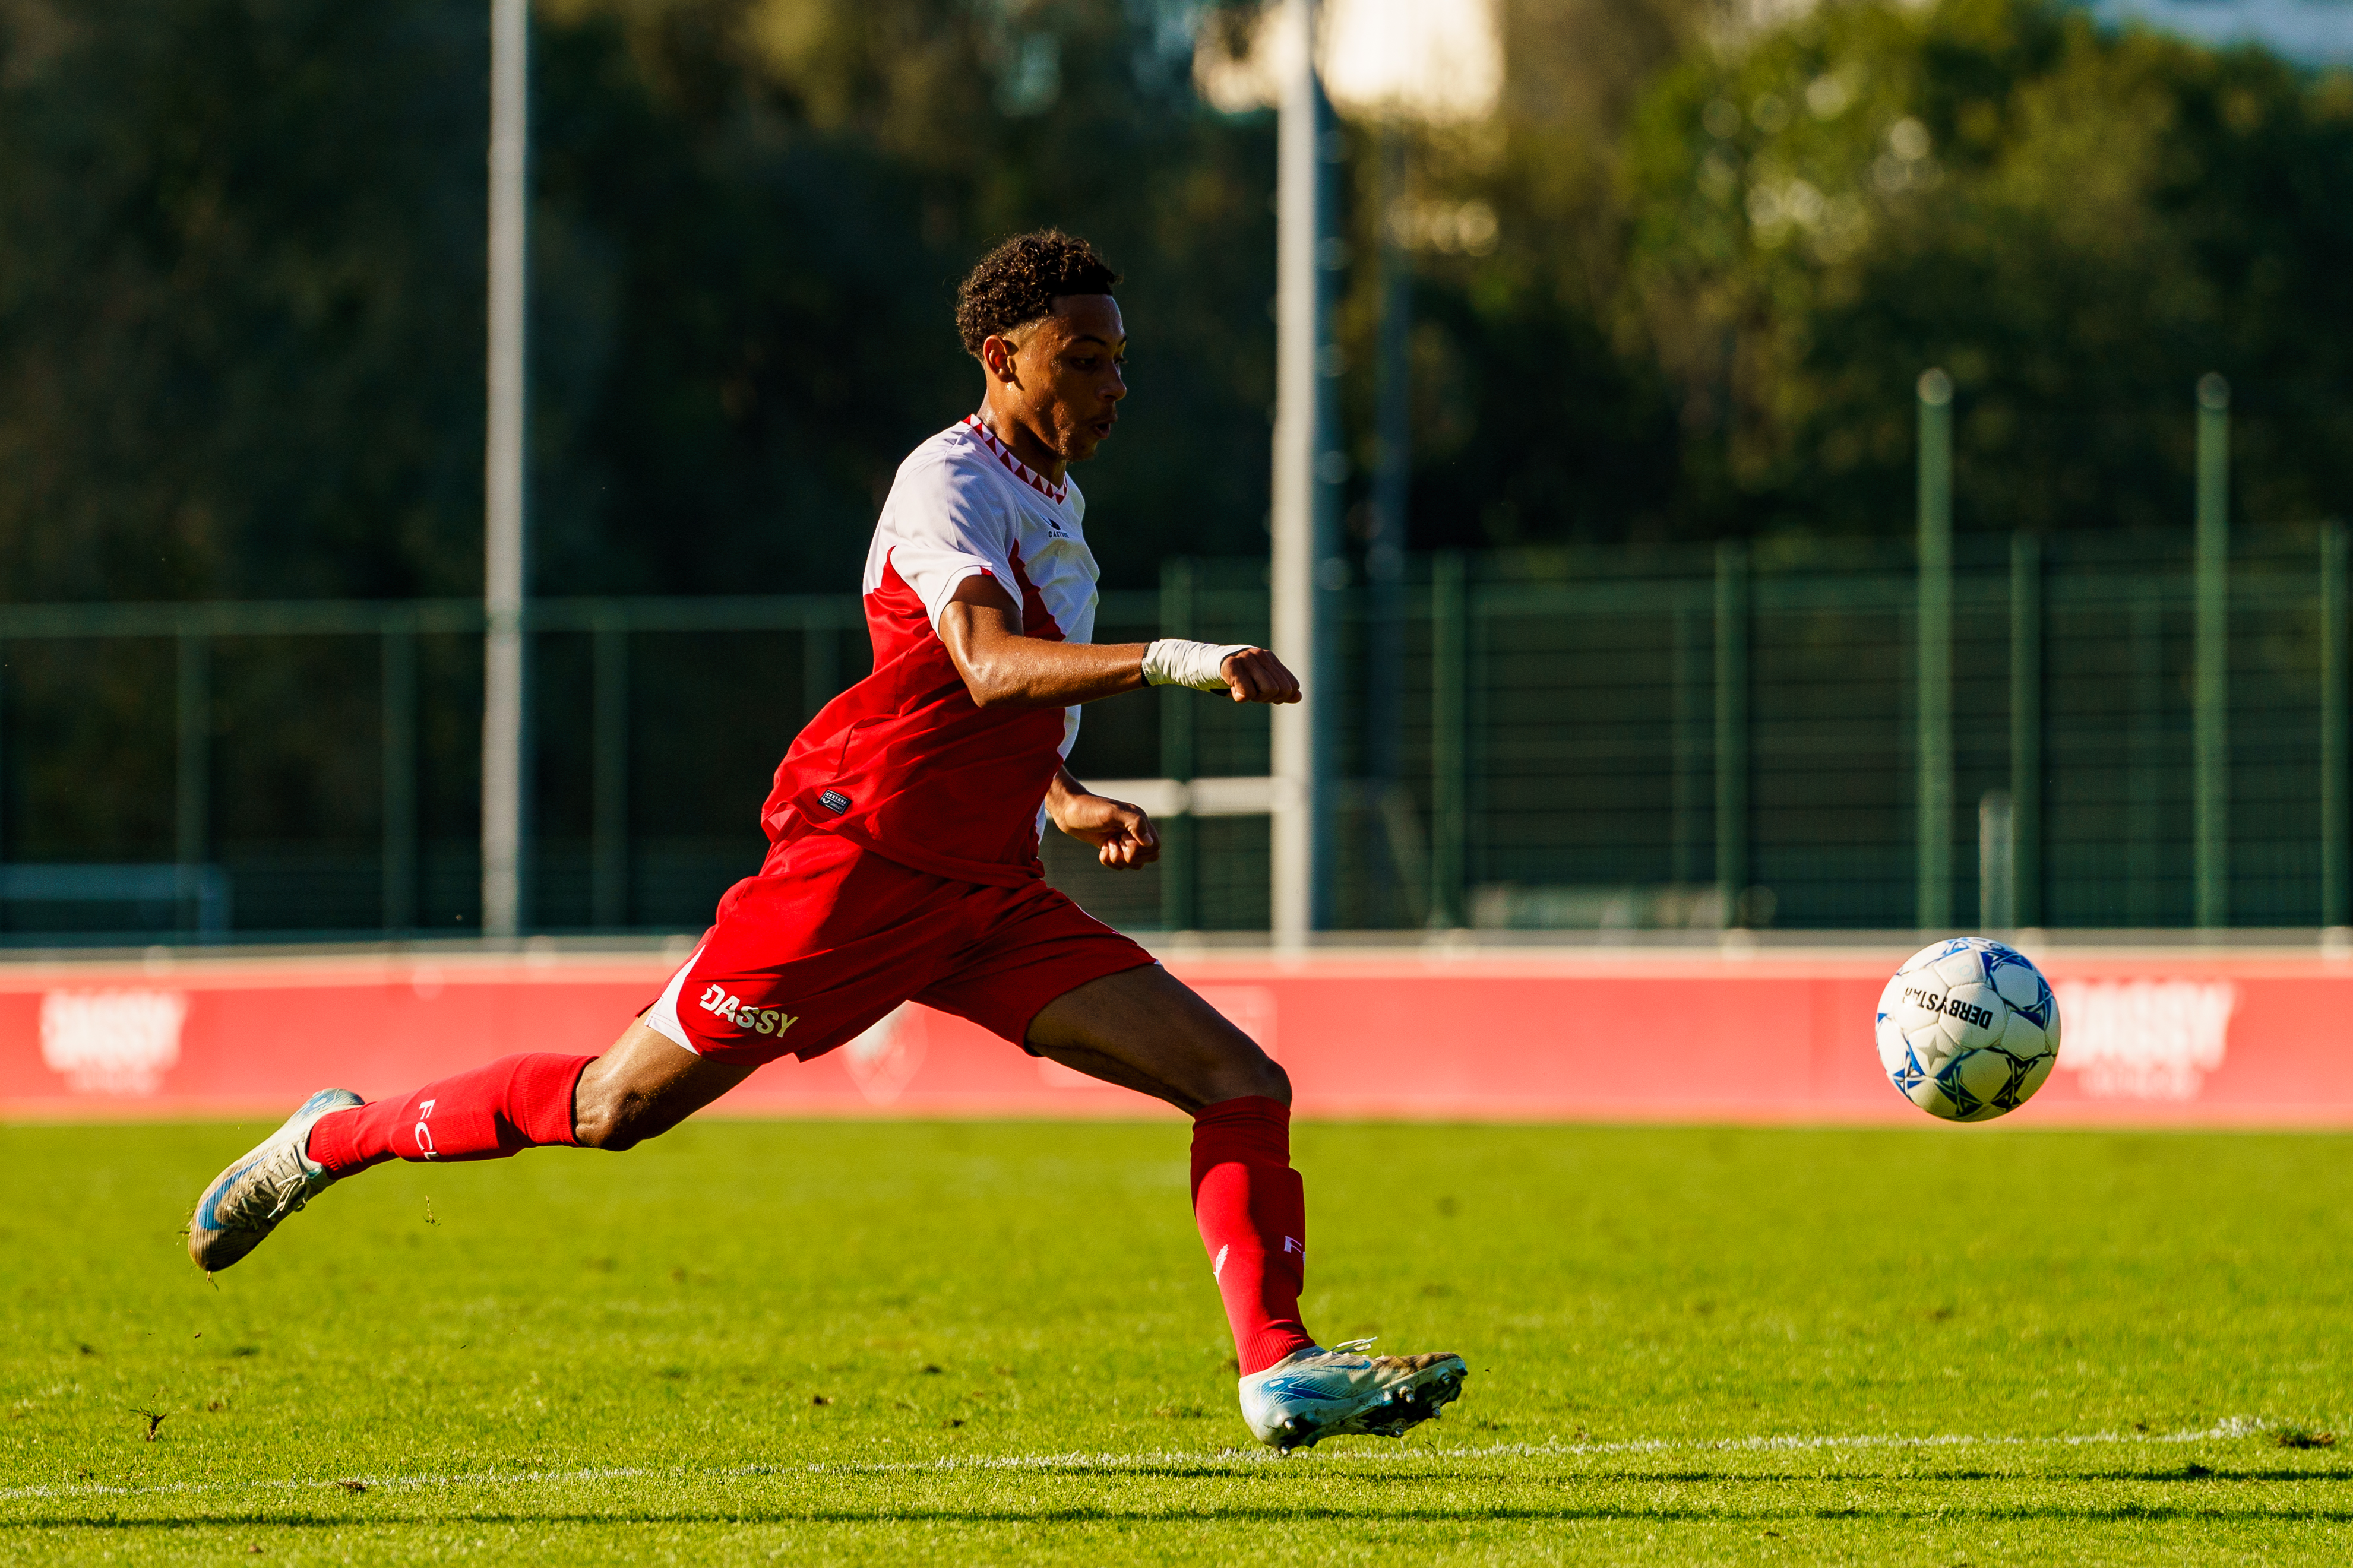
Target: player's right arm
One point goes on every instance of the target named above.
(981, 626)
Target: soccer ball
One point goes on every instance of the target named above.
(1968, 1029)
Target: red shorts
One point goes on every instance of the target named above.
(829, 937)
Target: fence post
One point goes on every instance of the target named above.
(2026, 726)
(608, 884)
(2336, 798)
(2213, 684)
(1997, 862)
(1688, 743)
(1933, 905)
(2144, 753)
(193, 805)
(1732, 595)
(1450, 736)
(1179, 725)
(399, 651)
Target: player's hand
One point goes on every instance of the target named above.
(1255, 675)
(1123, 834)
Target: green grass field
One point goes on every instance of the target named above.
(998, 1343)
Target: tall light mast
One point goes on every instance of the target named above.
(1309, 466)
(505, 767)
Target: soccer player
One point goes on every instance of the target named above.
(902, 865)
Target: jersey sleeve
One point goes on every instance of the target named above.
(944, 523)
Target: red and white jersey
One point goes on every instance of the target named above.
(903, 763)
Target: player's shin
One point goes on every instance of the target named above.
(1252, 1211)
(514, 1103)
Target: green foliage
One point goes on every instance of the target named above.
(241, 266)
(975, 1343)
(241, 262)
(1529, 424)
(764, 207)
(241, 286)
(2075, 223)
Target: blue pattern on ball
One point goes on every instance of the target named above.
(2019, 1078)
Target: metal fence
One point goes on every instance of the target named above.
(1605, 739)
(1629, 739)
(318, 764)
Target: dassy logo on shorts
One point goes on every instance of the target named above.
(752, 1020)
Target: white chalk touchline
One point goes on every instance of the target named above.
(2232, 1426)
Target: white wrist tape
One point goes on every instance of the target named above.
(1173, 661)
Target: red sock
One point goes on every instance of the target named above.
(512, 1104)
(1252, 1212)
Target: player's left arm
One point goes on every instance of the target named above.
(1123, 834)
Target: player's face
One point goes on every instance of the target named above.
(1070, 374)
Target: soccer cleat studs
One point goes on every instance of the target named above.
(1316, 1394)
(245, 1203)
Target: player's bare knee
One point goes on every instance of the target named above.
(1273, 1082)
(1246, 1071)
(593, 1124)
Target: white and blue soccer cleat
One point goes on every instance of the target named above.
(1314, 1394)
(246, 1201)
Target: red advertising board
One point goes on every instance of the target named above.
(2151, 1037)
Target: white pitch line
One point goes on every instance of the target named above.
(2233, 1426)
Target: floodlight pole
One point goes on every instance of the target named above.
(504, 761)
(1308, 569)
(1384, 647)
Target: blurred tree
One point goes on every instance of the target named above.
(2075, 223)
(1529, 425)
(756, 214)
(241, 263)
(240, 270)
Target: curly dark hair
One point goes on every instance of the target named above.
(1019, 282)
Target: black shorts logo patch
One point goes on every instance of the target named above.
(834, 801)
